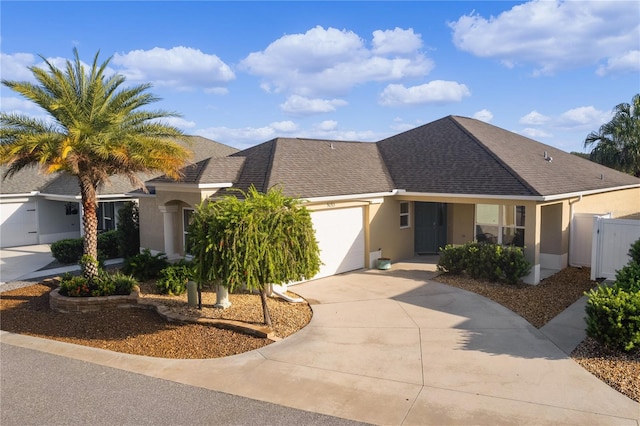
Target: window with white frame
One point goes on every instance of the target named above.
(186, 220)
(500, 224)
(404, 214)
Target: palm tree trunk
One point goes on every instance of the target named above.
(90, 224)
(265, 308)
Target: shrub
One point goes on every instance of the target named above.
(628, 277)
(108, 244)
(513, 264)
(634, 252)
(145, 266)
(613, 317)
(74, 286)
(68, 250)
(487, 261)
(452, 259)
(174, 278)
(128, 230)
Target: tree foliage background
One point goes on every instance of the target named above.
(616, 144)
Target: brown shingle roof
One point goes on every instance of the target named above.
(457, 155)
(309, 168)
(564, 174)
(31, 179)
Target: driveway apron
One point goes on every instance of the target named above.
(394, 348)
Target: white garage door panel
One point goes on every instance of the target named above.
(340, 236)
(18, 224)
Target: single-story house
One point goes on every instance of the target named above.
(39, 208)
(450, 181)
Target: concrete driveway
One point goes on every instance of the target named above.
(393, 348)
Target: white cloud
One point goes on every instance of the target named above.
(484, 115)
(436, 91)
(178, 122)
(284, 126)
(583, 118)
(324, 62)
(18, 105)
(300, 105)
(16, 66)
(396, 41)
(536, 133)
(327, 125)
(552, 35)
(534, 118)
(628, 62)
(183, 68)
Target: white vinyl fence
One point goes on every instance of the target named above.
(612, 239)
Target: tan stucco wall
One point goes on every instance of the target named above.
(385, 232)
(151, 225)
(618, 203)
(460, 223)
(553, 235)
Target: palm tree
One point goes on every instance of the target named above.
(95, 130)
(617, 143)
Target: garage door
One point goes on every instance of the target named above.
(18, 226)
(340, 236)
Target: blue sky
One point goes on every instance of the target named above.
(242, 73)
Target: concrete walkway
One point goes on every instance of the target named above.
(393, 348)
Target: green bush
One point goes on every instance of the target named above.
(105, 284)
(174, 278)
(628, 277)
(613, 317)
(122, 283)
(486, 261)
(68, 250)
(74, 286)
(634, 252)
(452, 259)
(145, 266)
(513, 264)
(108, 244)
(128, 230)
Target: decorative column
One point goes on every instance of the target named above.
(168, 220)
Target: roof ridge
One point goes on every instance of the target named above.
(493, 155)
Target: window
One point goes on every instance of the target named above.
(501, 224)
(186, 220)
(404, 215)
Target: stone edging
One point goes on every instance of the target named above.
(65, 304)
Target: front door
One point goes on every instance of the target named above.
(431, 227)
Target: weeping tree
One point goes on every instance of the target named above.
(96, 127)
(253, 240)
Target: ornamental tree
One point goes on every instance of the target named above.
(253, 240)
(95, 128)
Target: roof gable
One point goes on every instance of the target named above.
(557, 173)
(309, 168)
(63, 184)
(440, 157)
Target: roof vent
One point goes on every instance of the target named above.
(545, 155)
(331, 145)
(549, 159)
(601, 176)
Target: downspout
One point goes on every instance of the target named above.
(571, 242)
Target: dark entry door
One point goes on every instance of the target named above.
(431, 227)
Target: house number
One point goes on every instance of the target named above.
(331, 204)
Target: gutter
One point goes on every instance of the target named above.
(353, 197)
(542, 198)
